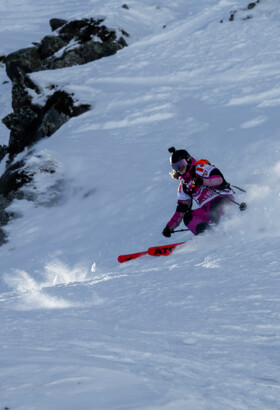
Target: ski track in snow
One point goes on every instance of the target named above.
(198, 330)
(203, 320)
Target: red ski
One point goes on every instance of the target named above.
(129, 257)
(163, 250)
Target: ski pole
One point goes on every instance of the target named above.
(240, 189)
(242, 206)
(181, 230)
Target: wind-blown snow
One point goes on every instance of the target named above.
(198, 329)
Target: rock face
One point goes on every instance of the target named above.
(76, 42)
(29, 123)
(243, 13)
(73, 43)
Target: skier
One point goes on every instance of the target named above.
(202, 182)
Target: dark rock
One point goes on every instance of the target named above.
(3, 151)
(249, 7)
(80, 109)
(13, 178)
(22, 125)
(3, 235)
(26, 59)
(24, 80)
(29, 122)
(124, 33)
(52, 121)
(125, 6)
(20, 96)
(232, 14)
(50, 45)
(57, 23)
(87, 52)
(42, 57)
(81, 29)
(252, 5)
(61, 101)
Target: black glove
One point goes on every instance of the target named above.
(197, 181)
(167, 231)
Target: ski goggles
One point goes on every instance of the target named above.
(180, 165)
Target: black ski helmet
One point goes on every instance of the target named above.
(177, 155)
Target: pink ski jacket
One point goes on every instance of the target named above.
(187, 191)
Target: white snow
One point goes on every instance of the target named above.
(198, 330)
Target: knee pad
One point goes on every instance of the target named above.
(182, 208)
(216, 209)
(187, 217)
(202, 227)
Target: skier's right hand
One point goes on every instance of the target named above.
(167, 231)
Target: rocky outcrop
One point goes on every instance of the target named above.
(72, 43)
(243, 13)
(29, 123)
(76, 42)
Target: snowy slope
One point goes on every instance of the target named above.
(199, 329)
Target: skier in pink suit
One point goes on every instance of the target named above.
(200, 182)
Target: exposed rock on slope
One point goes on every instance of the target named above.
(73, 43)
(76, 42)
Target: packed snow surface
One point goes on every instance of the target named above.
(197, 330)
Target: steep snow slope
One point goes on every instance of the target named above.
(196, 330)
